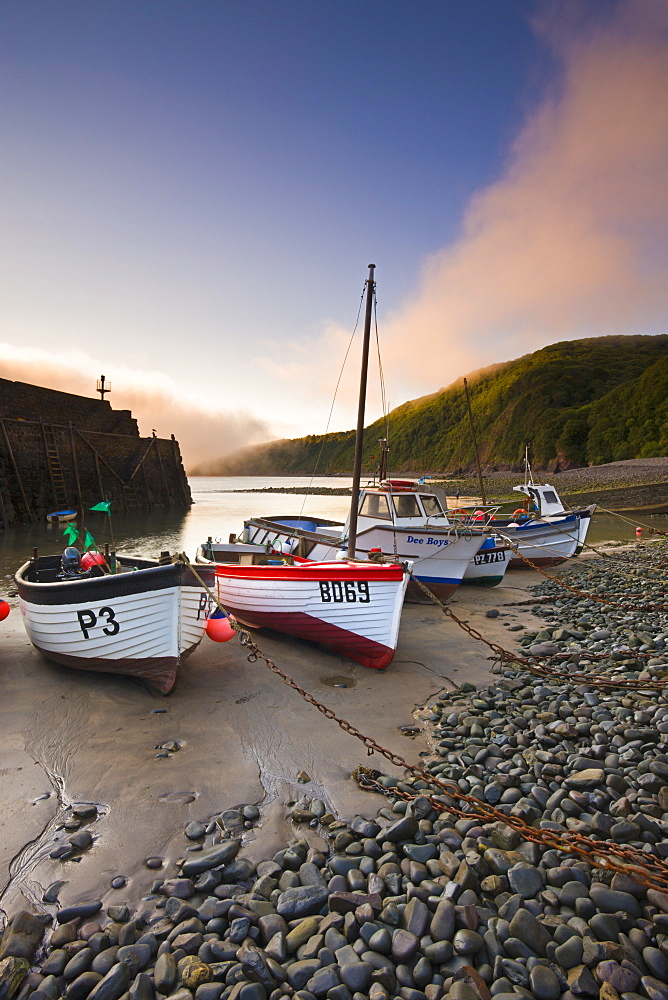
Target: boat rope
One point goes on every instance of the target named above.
(383, 395)
(627, 520)
(331, 409)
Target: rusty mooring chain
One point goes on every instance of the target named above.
(646, 869)
(649, 870)
(574, 590)
(502, 655)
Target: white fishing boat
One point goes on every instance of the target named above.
(141, 621)
(353, 608)
(542, 530)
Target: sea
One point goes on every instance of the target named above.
(221, 504)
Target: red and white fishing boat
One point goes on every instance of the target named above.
(350, 607)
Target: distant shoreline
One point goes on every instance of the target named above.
(640, 483)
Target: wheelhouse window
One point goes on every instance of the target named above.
(432, 507)
(406, 506)
(375, 505)
(550, 496)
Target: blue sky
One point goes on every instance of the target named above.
(193, 191)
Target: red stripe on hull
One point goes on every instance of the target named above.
(313, 571)
(303, 626)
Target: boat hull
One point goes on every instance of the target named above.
(488, 566)
(140, 623)
(61, 515)
(350, 608)
(550, 541)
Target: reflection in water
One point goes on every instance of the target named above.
(219, 511)
(140, 533)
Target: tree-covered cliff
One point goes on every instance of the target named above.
(579, 402)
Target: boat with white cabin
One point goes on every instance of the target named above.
(397, 520)
(543, 530)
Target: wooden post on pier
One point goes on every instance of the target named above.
(16, 468)
(76, 468)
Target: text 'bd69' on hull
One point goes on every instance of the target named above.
(350, 607)
(141, 621)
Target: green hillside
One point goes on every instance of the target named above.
(579, 402)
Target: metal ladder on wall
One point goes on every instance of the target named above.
(131, 498)
(55, 468)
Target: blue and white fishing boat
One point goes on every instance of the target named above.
(542, 529)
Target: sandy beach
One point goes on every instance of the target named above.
(245, 737)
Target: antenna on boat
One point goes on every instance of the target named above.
(359, 434)
(528, 472)
(382, 465)
(475, 443)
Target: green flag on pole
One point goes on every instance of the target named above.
(104, 506)
(71, 533)
(89, 542)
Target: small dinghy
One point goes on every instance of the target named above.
(61, 515)
(140, 621)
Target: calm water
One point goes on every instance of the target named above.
(217, 512)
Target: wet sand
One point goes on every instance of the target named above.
(71, 736)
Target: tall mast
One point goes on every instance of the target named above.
(359, 434)
(475, 442)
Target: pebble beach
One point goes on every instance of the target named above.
(216, 845)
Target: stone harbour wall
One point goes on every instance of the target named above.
(47, 467)
(20, 400)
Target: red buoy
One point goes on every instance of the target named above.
(638, 532)
(4, 610)
(89, 559)
(218, 627)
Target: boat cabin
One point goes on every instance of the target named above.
(398, 502)
(545, 498)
